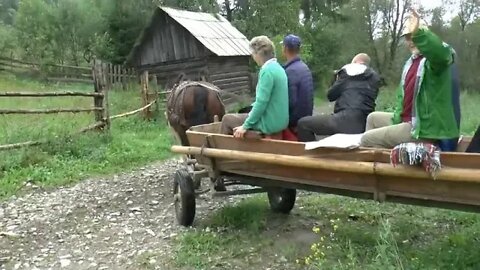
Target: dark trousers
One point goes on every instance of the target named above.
(474, 146)
(347, 121)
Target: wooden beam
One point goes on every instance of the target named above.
(18, 145)
(50, 111)
(72, 80)
(369, 168)
(49, 94)
(231, 79)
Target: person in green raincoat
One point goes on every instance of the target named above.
(424, 110)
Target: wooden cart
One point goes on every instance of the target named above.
(279, 168)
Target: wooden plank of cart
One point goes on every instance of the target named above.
(279, 168)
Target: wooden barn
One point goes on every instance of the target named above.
(197, 44)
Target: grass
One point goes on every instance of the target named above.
(232, 236)
(365, 235)
(347, 234)
(65, 159)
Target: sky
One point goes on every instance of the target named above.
(430, 4)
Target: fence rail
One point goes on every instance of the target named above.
(50, 111)
(115, 74)
(50, 94)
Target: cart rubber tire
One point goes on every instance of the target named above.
(184, 197)
(282, 200)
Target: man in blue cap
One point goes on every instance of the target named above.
(300, 81)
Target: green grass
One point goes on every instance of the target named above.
(66, 159)
(233, 236)
(351, 234)
(359, 234)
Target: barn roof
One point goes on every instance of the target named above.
(215, 32)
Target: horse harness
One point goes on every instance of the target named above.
(176, 114)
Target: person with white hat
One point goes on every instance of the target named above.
(425, 109)
(354, 93)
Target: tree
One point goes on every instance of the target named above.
(469, 11)
(8, 10)
(437, 24)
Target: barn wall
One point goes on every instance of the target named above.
(168, 71)
(230, 73)
(168, 41)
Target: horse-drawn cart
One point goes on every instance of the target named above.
(281, 167)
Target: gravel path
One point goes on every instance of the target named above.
(118, 222)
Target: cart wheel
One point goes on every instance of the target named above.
(282, 200)
(184, 197)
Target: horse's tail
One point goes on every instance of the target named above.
(199, 114)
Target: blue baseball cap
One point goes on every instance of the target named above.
(291, 41)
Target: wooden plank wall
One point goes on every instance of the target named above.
(165, 72)
(168, 41)
(230, 74)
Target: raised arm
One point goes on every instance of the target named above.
(437, 52)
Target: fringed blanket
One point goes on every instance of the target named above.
(423, 154)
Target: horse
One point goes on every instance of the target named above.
(191, 103)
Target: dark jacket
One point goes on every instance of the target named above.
(300, 90)
(355, 89)
(451, 144)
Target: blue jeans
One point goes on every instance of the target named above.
(448, 145)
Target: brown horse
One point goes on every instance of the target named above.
(192, 103)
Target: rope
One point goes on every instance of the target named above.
(132, 112)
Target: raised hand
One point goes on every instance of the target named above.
(414, 21)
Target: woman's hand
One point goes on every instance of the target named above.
(239, 132)
(414, 22)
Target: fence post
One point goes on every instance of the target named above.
(146, 112)
(123, 78)
(155, 93)
(115, 76)
(100, 83)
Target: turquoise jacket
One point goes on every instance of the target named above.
(270, 111)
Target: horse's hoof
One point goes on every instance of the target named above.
(219, 185)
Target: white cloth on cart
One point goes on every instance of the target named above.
(340, 140)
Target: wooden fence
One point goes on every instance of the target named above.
(100, 108)
(116, 74)
(101, 80)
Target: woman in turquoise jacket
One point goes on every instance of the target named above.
(269, 112)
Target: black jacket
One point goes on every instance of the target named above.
(355, 89)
